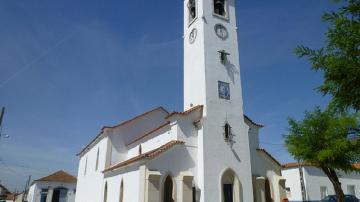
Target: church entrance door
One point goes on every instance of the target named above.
(168, 190)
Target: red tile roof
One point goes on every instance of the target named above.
(148, 155)
(97, 137)
(269, 155)
(252, 122)
(185, 112)
(10, 197)
(295, 165)
(60, 176)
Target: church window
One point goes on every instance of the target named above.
(85, 166)
(140, 150)
(224, 90)
(220, 7)
(97, 160)
(105, 192)
(227, 131)
(192, 10)
(121, 194)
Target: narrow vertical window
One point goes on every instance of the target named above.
(220, 7)
(192, 10)
(105, 192)
(85, 166)
(121, 194)
(97, 160)
(140, 150)
(323, 192)
(351, 190)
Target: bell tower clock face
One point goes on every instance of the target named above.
(221, 31)
(192, 36)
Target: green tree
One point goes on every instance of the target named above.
(340, 58)
(322, 139)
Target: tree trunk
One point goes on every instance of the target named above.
(336, 183)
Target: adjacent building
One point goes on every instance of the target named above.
(57, 187)
(316, 184)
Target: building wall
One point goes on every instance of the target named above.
(314, 179)
(34, 193)
(292, 177)
(89, 183)
(151, 142)
(130, 182)
(121, 136)
(263, 166)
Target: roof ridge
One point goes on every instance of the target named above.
(269, 155)
(148, 133)
(121, 124)
(148, 155)
(252, 122)
(185, 112)
(58, 176)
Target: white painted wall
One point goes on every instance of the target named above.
(131, 186)
(89, 184)
(314, 179)
(202, 71)
(121, 136)
(34, 193)
(292, 177)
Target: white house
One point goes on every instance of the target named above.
(209, 152)
(57, 187)
(316, 184)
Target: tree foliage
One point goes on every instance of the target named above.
(340, 58)
(322, 139)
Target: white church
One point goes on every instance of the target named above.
(207, 153)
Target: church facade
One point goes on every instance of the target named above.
(207, 153)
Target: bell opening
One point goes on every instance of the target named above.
(219, 7)
(192, 10)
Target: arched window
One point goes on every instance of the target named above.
(230, 187)
(97, 160)
(220, 7)
(192, 10)
(121, 193)
(168, 190)
(105, 192)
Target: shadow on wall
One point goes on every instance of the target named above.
(231, 71)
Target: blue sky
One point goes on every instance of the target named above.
(69, 67)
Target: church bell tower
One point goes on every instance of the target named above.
(212, 79)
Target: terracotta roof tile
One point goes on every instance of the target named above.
(185, 112)
(120, 124)
(269, 155)
(148, 155)
(59, 176)
(10, 197)
(252, 122)
(295, 164)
